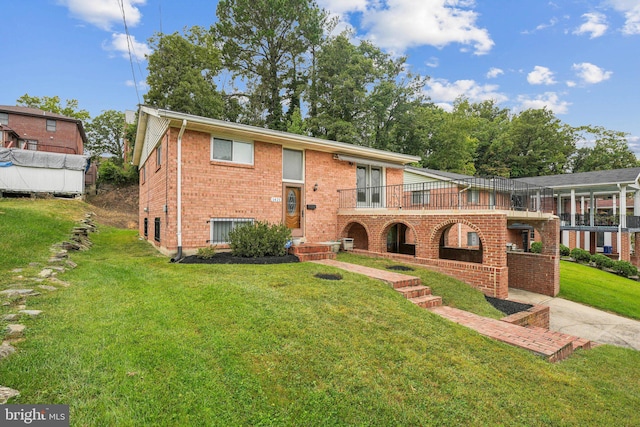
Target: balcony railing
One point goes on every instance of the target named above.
(472, 193)
(599, 220)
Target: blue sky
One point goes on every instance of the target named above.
(580, 58)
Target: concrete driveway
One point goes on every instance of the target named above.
(585, 322)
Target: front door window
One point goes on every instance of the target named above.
(293, 210)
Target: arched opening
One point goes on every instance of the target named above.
(401, 239)
(460, 242)
(358, 233)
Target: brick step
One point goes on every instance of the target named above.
(315, 256)
(309, 248)
(427, 301)
(553, 346)
(414, 291)
(576, 342)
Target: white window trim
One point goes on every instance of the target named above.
(233, 141)
(304, 163)
(235, 222)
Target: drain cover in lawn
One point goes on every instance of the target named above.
(326, 276)
(400, 268)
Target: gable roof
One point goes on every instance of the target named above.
(606, 180)
(153, 123)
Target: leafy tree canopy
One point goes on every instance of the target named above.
(52, 105)
(610, 150)
(105, 134)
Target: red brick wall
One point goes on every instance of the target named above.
(66, 134)
(490, 277)
(534, 272)
(223, 190)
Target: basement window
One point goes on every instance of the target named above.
(146, 228)
(220, 228)
(156, 229)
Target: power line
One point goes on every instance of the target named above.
(130, 48)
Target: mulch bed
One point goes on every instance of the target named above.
(227, 258)
(400, 268)
(506, 306)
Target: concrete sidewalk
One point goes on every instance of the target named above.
(576, 319)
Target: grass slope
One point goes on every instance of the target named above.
(139, 341)
(600, 289)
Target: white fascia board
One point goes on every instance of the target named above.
(283, 138)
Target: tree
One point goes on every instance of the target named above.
(105, 134)
(181, 75)
(610, 150)
(264, 42)
(450, 143)
(52, 105)
(538, 144)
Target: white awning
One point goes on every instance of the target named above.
(370, 162)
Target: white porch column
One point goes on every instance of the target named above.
(623, 207)
(636, 203)
(615, 205)
(573, 207)
(592, 210)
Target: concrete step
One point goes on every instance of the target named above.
(427, 301)
(414, 291)
(553, 346)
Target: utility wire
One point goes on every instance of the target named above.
(130, 48)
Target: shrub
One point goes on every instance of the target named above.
(625, 268)
(602, 261)
(206, 253)
(580, 255)
(110, 172)
(564, 250)
(536, 247)
(259, 239)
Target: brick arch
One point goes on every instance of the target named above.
(438, 230)
(360, 241)
(385, 229)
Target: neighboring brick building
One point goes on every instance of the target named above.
(42, 131)
(200, 177)
(36, 130)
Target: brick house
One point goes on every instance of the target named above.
(39, 130)
(201, 177)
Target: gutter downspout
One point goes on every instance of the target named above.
(178, 256)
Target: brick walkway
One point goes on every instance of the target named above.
(552, 346)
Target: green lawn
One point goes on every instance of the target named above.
(137, 340)
(600, 289)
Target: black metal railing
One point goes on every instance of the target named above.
(471, 193)
(599, 220)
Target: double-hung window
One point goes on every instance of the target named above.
(51, 125)
(226, 150)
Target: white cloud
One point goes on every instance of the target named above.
(595, 26)
(550, 100)
(571, 83)
(400, 24)
(443, 93)
(552, 22)
(631, 11)
(142, 85)
(119, 44)
(591, 74)
(432, 62)
(494, 72)
(104, 13)
(541, 76)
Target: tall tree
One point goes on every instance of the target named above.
(52, 104)
(181, 76)
(264, 43)
(610, 150)
(538, 144)
(106, 134)
(490, 128)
